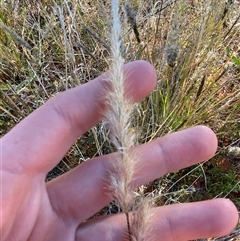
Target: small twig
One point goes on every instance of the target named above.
(8, 113)
(235, 22)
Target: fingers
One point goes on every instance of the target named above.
(39, 142)
(82, 192)
(197, 220)
(179, 222)
(174, 152)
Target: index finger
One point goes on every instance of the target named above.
(39, 142)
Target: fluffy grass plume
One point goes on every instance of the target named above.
(118, 117)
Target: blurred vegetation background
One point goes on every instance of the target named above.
(49, 46)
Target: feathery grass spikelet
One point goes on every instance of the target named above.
(119, 115)
(119, 119)
(172, 44)
(141, 230)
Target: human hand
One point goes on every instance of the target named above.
(34, 210)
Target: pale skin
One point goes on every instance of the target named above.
(34, 210)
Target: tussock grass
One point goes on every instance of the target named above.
(49, 46)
